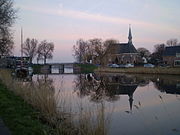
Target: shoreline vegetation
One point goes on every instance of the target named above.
(82, 68)
(20, 117)
(87, 68)
(141, 70)
(36, 107)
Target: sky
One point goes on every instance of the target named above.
(63, 22)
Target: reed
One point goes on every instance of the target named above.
(40, 94)
(53, 108)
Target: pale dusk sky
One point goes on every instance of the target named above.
(65, 21)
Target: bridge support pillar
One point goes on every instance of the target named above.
(61, 68)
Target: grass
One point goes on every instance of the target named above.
(35, 108)
(87, 68)
(141, 70)
(41, 96)
(37, 68)
(20, 117)
(84, 68)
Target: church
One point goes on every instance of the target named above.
(123, 53)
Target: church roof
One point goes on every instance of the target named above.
(171, 51)
(125, 48)
(120, 48)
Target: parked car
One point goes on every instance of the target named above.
(114, 65)
(149, 65)
(122, 66)
(129, 65)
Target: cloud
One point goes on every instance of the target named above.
(61, 11)
(36, 9)
(90, 16)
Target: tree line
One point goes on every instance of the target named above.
(83, 51)
(31, 47)
(40, 51)
(7, 19)
(156, 57)
(86, 50)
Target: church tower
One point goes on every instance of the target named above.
(130, 35)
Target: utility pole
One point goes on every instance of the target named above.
(21, 47)
(21, 42)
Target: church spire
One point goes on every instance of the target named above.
(130, 35)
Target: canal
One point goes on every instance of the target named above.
(121, 104)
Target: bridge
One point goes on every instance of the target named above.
(67, 64)
(60, 67)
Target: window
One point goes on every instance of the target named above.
(177, 63)
(116, 60)
(178, 55)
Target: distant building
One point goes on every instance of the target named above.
(13, 61)
(171, 56)
(123, 53)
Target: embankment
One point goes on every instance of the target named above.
(141, 70)
(19, 116)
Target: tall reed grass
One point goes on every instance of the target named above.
(53, 108)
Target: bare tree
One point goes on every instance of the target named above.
(45, 50)
(172, 42)
(144, 52)
(6, 44)
(38, 55)
(79, 50)
(7, 18)
(107, 43)
(93, 49)
(30, 48)
(157, 55)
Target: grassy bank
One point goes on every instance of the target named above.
(40, 95)
(36, 107)
(20, 117)
(87, 68)
(37, 68)
(141, 70)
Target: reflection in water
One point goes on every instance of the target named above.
(154, 110)
(119, 103)
(169, 85)
(94, 121)
(108, 86)
(43, 90)
(87, 121)
(65, 70)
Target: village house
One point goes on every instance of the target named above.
(123, 53)
(13, 61)
(171, 56)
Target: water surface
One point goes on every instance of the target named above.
(128, 104)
